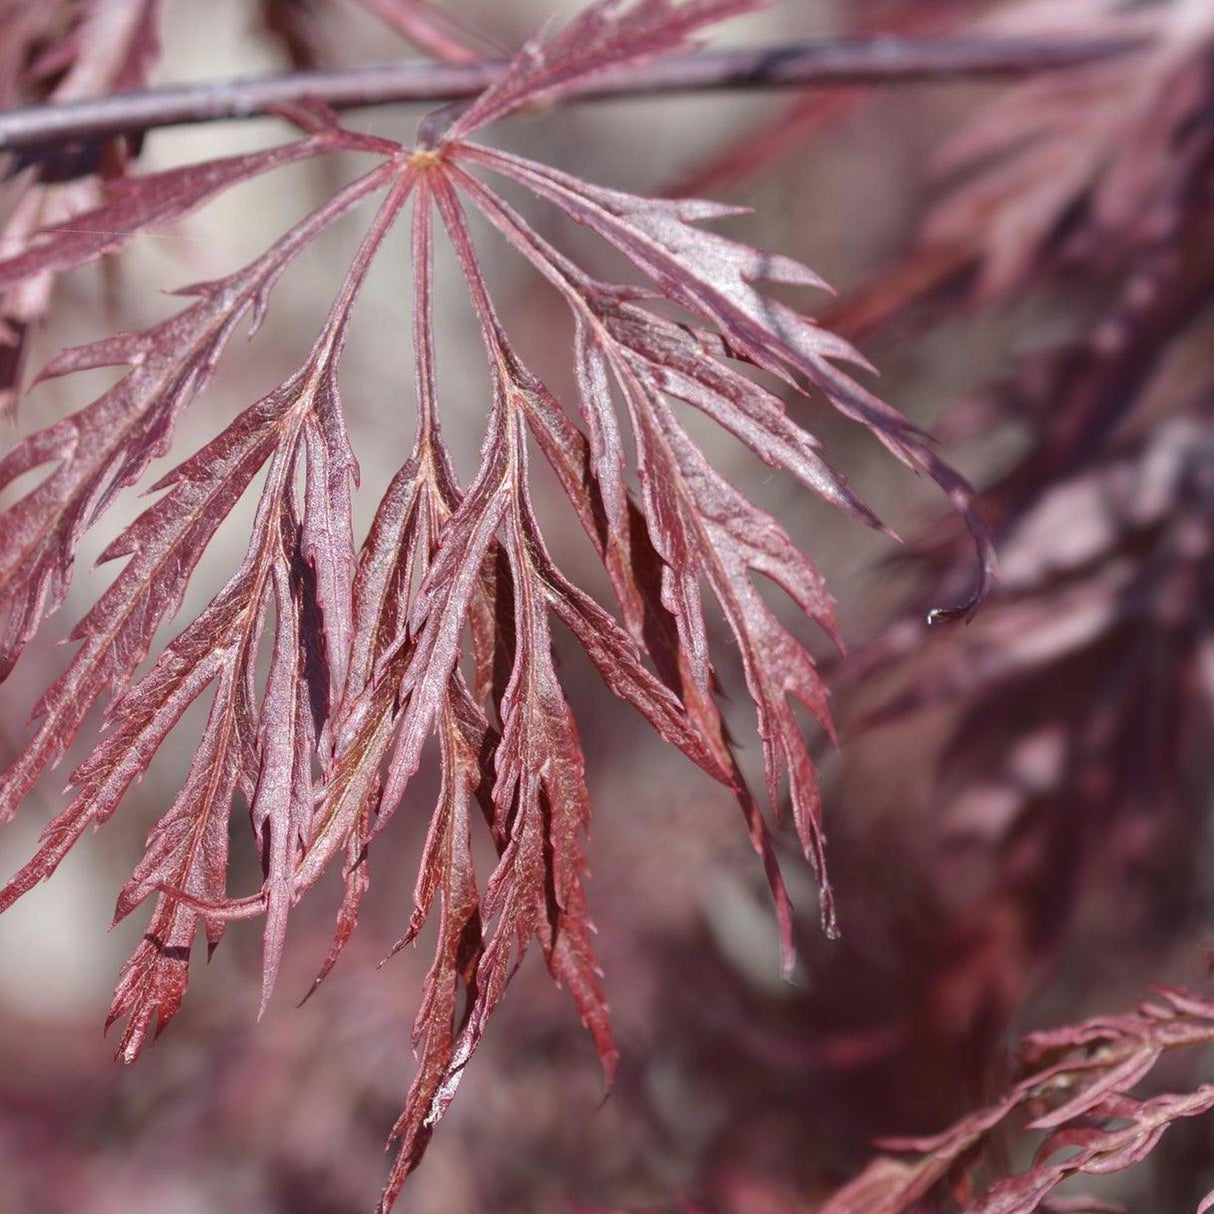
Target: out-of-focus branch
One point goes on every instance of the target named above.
(868, 61)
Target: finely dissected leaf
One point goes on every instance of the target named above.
(1101, 1130)
(440, 628)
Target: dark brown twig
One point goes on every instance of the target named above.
(883, 60)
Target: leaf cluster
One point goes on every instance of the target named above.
(436, 631)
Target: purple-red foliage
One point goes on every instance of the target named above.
(1073, 1085)
(439, 628)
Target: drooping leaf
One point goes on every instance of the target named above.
(440, 629)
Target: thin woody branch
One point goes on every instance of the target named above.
(827, 63)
